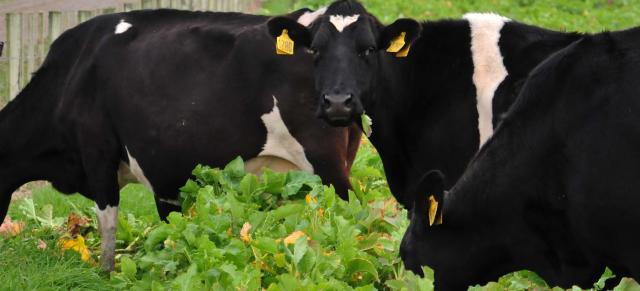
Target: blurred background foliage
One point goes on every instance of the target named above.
(568, 15)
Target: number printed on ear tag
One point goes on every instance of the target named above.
(397, 43)
(284, 44)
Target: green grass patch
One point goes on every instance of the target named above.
(26, 267)
(578, 15)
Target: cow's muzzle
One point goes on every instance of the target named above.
(339, 109)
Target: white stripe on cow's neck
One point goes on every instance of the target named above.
(137, 171)
(280, 143)
(122, 27)
(309, 17)
(489, 70)
(341, 21)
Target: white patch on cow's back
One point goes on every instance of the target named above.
(122, 27)
(489, 70)
(280, 143)
(309, 17)
(137, 171)
(341, 21)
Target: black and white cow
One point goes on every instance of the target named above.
(432, 109)
(557, 182)
(159, 92)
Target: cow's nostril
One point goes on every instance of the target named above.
(326, 101)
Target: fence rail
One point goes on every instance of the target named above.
(29, 35)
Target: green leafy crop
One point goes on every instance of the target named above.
(277, 232)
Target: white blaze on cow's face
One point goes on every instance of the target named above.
(280, 143)
(340, 22)
(489, 70)
(309, 17)
(122, 27)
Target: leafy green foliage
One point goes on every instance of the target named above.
(301, 235)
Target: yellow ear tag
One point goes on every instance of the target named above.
(397, 43)
(403, 53)
(433, 210)
(284, 44)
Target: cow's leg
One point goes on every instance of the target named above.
(166, 206)
(102, 179)
(108, 224)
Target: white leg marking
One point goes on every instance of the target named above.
(280, 143)
(137, 171)
(108, 224)
(122, 27)
(309, 17)
(341, 21)
(489, 69)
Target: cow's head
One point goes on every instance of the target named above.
(347, 44)
(426, 215)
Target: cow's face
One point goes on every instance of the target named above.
(347, 47)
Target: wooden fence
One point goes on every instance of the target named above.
(29, 35)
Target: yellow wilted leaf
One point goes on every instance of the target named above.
(76, 245)
(11, 228)
(293, 237)
(244, 232)
(310, 199)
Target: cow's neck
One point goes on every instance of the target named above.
(425, 108)
(414, 104)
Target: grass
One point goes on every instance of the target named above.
(25, 267)
(575, 15)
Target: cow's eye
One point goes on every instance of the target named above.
(368, 51)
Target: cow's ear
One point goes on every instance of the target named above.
(398, 37)
(429, 198)
(280, 26)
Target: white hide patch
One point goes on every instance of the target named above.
(170, 201)
(309, 17)
(108, 217)
(340, 21)
(489, 70)
(280, 143)
(122, 27)
(108, 224)
(137, 171)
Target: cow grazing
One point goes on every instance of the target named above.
(1, 47)
(557, 182)
(432, 109)
(159, 92)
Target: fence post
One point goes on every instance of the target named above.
(84, 15)
(148, 4)
(42, 37)
(14, 42)
(55, 26)
(165, 4)
(31, 44)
